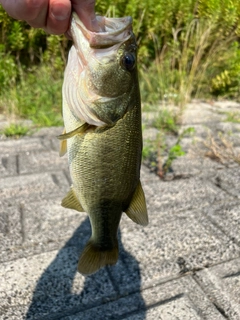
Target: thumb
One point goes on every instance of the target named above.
(85, 9)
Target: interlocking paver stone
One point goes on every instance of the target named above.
(8, 165)
(177, 299)
(222, 284)
(31, 162)
(10, 226)
(183, 194)
(59, 283)
(40, 185)
(183, 265)
(229, 180)
(24, 145)
(45, 221)
(226, 217)
(178, 243)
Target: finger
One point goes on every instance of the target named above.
(59, 13)
(85, 9)
(40, 20)
(24, 9)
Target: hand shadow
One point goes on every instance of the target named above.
(61, 291)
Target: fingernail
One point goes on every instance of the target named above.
(36, 3)
(60, 14)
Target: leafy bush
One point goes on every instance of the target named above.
(8, 70)
(31, 71)
(186, 48)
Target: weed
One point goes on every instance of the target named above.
(153, 152)
(221, 150)
(15, 130)
(37, 96)
(233, 117)
(166, 121)
(192, 65)
(149, 151)
(174, 152)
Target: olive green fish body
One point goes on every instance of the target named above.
(104, 162)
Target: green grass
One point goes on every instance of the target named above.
(35, 96)
(233, 117)
(42, 103)
(15, 130)
(199, 62)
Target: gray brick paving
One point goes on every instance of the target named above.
(222, 284)
(184, 265)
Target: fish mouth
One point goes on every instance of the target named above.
(112, 31)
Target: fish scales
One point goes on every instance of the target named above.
(103, 136)
(110, 178)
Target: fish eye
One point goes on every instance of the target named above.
(128, 61)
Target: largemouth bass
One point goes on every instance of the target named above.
(103, 137)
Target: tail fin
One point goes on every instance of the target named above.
(94, 258)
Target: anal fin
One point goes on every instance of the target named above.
(137, 210)
(70, 201)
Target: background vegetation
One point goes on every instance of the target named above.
(187, 48)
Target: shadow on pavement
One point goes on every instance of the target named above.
(61, 292)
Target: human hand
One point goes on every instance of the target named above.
(51, 15)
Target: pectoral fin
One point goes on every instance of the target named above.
(137, 210)
(63, 146)
(70, 201)
(70, 134)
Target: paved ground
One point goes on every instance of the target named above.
(184, 265)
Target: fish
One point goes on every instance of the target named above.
(102, 135)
